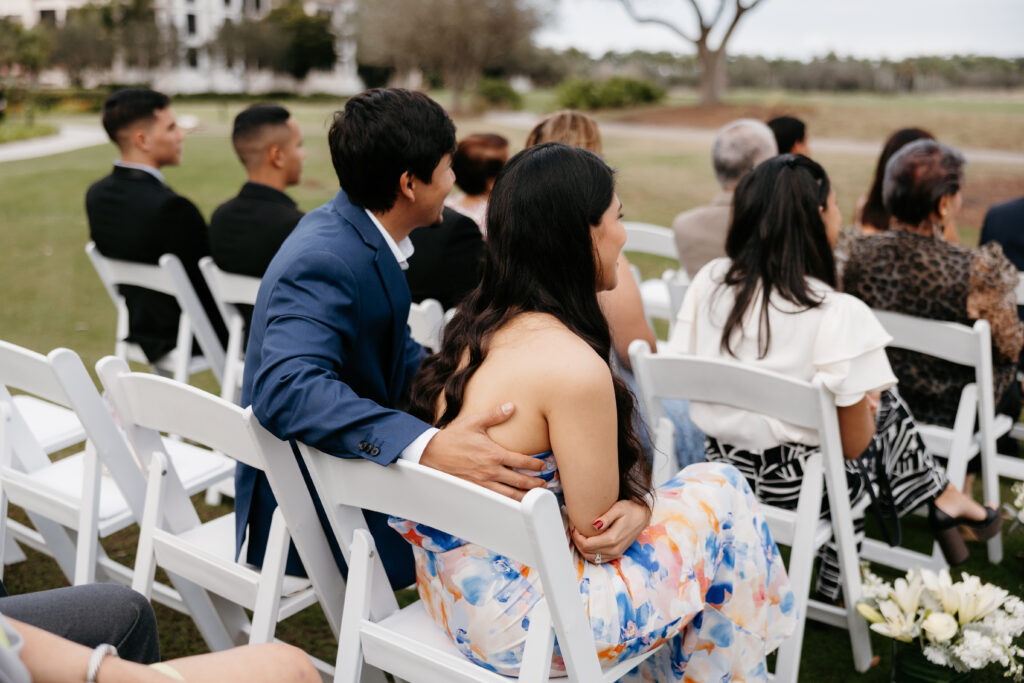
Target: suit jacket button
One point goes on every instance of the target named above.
(375, 452)
(362, 445)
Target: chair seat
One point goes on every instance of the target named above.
(165, 364)
(413, 629)
(64, 478)
(389, 643)
(216, 538)
(198, 467)
(54, 427)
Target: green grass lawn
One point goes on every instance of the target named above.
(12, 131)
(52, 297)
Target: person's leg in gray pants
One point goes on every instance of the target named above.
(91, 615)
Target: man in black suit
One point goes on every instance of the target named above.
(134, 216)
(246, 232)
(447, 261)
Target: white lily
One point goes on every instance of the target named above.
(941, 588)
(977, 600)
(896, 624)
(908, 594)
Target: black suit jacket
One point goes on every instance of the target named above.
(246, 232)
(447, 261)
(1004, 223)
(135, 217)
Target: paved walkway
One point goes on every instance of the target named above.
(71, 137)
(704, 136)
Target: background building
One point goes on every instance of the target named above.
(199, 69)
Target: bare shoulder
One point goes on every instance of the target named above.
(557, 356)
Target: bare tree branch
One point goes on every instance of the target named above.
(718, 13)
(741, 9)
(700, 17)
(628, 5)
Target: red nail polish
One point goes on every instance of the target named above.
(598, 524)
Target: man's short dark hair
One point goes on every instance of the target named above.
(381, 134)
(250, 125)
(788, 130)
(125, 107)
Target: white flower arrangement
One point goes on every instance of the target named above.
(965, 625)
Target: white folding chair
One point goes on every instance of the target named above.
(426, 322)
(664, 376)
(204, 553)
(179, 362)
(970, 346)
(656, 240)
(407, 642)
(75, 501)
(230, 291)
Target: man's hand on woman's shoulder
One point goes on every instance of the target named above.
(464, 449)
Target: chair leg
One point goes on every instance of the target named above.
(357, 608)
(145, 558)
(540, 641)
(88, 518)
(268, 595)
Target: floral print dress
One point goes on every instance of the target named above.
(705, 579)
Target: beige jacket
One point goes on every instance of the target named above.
(700, 233)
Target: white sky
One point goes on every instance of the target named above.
(801, 29)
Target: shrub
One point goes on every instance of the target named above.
(614, 93)
(493, 92)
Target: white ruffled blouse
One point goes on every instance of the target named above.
(839, 341)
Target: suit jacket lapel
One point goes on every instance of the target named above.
(396, 289)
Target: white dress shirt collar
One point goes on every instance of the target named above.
(142, 167)
(401, 250)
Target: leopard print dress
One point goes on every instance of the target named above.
(930, 278)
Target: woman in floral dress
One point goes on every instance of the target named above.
(691, 565)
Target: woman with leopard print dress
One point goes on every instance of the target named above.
(911, 269)
(772, 303)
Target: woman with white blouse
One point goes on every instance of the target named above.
(771, 303)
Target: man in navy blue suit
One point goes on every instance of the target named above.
(329, 357)
(1004, 223)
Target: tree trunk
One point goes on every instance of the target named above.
(712, 75)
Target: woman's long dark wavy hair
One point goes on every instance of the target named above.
(874, 211)
(777, 240)
(540, 258)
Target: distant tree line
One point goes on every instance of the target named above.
(829, 73)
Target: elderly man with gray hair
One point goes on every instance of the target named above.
(738, 147)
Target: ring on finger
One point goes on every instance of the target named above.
(597, 558)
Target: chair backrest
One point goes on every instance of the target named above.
(648, 238)
(529, 532)
(197, 318)
(670, 376)
(949, 341)
(167, 278)
(61, 378)
(229, 291)
(148, 404)
(426, 322)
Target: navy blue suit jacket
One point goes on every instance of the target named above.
(1004, 223)
(328, 361)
